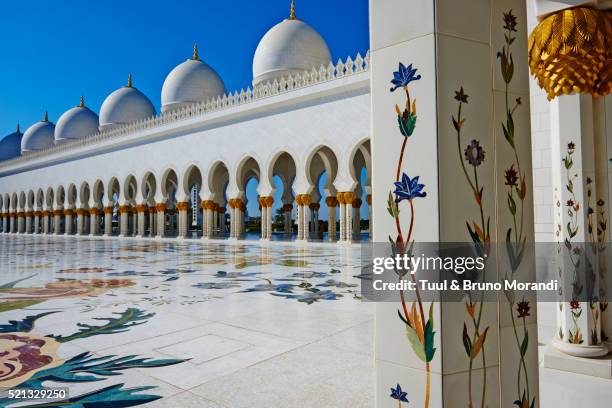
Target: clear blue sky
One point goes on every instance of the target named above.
(54, 51)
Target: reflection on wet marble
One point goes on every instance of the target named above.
(185, 323)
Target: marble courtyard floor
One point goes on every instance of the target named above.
(185, 324)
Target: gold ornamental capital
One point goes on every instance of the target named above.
(570, 52)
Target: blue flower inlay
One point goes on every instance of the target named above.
(408, 188)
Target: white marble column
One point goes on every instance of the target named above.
(449, 96)
(37, 215)
(369, 201)
(12, 223)
(332, 204)
(124, 212)
(287, 209)
(140, 211)
(20, 222)
(68, 214)
(356, 228)
(80, 227)
(222, 221)
(108, 221)
(183, 227)
(266, 203)
(46, 223)
(94, 221)
(57, 221)
(346, 215)
(579, 189)
(303, 203)
(28, 221)
(160, 210)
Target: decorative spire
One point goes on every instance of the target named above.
(129, 84)
(18, 129)
(46, 119)
(292, 15)
(195, 52)
(82, 102)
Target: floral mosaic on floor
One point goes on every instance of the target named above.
(64, 301)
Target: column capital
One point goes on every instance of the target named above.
(81, 211)
(108, 210)
(288, 207)
(303, 199)
(331, 201)
(266, 201)
(182, 206)
(94, 211)
(68, 211)
(124, 209)
(356, 203)
(160, 207)
(140, 208)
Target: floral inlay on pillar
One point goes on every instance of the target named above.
(419, 326)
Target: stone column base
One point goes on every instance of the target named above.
(594, 367)
(579, 350)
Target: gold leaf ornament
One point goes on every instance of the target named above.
(570, 52)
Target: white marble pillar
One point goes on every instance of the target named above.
(140, 211)
(287, 209)
(207, 223)
(215, 218)
(240, 227)
(124, 212)
(68, 213)
(332, 204)
(80, 227)
(160, 210)
(37, 215)
(449, 105)
(222, 221)
(183, 226)
(356, 228)
(4, 222)
(57, 221)
(369, 201)
(28, 222)
(266, 203)
(94, 221)
(303, 203)
(152, 219)
(46, 221)
(20, 222)
(578, 189)
(346, 215)
(108, 221)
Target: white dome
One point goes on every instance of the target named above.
(39, 136)
(289, 47)
(10, 145)
(192, 81)
(125, 105)
(76, 123)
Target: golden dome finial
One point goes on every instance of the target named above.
(195, 52)
(292, 15)
(46, 119)
(82, 102)
(129, 84)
